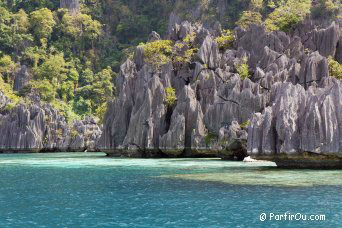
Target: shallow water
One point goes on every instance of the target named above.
(91, 190)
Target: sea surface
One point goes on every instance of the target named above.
(91, 190)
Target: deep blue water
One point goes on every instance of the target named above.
(89, 190)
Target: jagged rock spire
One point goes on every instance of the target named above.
(71, 5)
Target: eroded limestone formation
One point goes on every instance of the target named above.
(40, 128)
(290, 104)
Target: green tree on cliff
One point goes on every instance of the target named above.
(42, 23)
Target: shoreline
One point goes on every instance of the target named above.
(301, 161)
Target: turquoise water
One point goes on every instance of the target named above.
(90, 190)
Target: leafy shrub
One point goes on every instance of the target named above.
(101, 111)
(65, 110)
(157, 53)
(190, 38)
(287, 15)
(8, 92)
(242, 68)
(66, 91)
(42, 23)
(45, 89)
(210, 138)
(245, 125)
(83, 107)
(326, 8)
(9, 107)
(335, 69)
(184, 52)
(73, 133)
(248, 18)
(226, 40)
(7, 68)
(170, 96)
(256, 5)
(53, 68)
(184, 57)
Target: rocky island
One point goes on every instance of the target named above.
(262, 89)
(290, 104)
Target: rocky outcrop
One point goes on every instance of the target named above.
(300, 128)
(40, 128)
(209, 93)
(325, 40)
(234, 142)
(72, 5)
(22, 78)
(302, 125)
(314, 68)
(139, 123)
(339, 50)
(289, 102)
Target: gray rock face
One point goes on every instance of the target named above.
(147, 118)
(173, 142)
(21, 78)
(300, 122)
(313, 69)
(139, 123)
(209, 53)
(154, 36)
(36, 128)
(339, 50)
(72, 5)
(326, 39)
(289, 101)
(234, 140)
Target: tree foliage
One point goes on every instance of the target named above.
(7, 68)
(72, 57)
(158, 52)
(61, 50)
(7, 90)
(226, 40)
(288, 14)
(248, 18)
(170, 96)
(42, 23)
(327, 9)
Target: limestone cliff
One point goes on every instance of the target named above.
(290, 103)
(38, 127)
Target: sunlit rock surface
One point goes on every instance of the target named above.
(40, 128)
(290, 104)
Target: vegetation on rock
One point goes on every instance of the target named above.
(242, 68)
(170, 96)
(6, 89)
(335, 68)
(288, 14)
(72, 57)
(158, 52)
(226, 40)
(248, 18)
